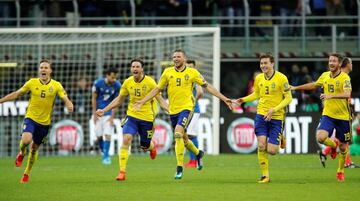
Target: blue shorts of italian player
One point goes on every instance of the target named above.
(342, 127)
(145, 129)
(38, 131)
(182, 119)
(271, 129)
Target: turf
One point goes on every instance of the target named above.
(224, 177)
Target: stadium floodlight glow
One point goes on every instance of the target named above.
(80, 55)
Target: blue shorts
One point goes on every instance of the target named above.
(271, 129)
(135, 126)
(182, 119)
(342, 127)
(38, 131)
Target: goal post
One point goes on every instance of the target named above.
(81, 55)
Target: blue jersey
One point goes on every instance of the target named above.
(196, 108)
(105, 93)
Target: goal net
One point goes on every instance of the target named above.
(80, 56)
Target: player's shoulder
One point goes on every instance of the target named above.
(149, 78)
(326, 73)
(344, 76)
(99, 81)
(281, 75)
(260, 76)
(117, 84)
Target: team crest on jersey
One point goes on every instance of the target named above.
(347, 84)
(337, 83)
(286, 85)
(273, 85)
(51, 89)
(144, 87)
(186, 77)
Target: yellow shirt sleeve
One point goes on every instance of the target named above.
(123, 90)
(255, 95)
(61, 91)
(347, 84)
(26, 87)
(199, 79)
(320, 81)
(163, 80)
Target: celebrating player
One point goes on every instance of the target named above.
(346, 67)
(270, 88)
(43, 91)
(179, 81)
(192, 128)
(136, 122)
(336, 112)
(104, 91)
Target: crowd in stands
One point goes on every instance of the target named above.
(117, 13)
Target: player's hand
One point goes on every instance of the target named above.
(99, 113)
(70, 107)
(269, 114)
(137, 105)
(111, 121)
(238, 101)
(325, 96)
(229, 103)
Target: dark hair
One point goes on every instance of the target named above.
(345, 62)
(340, 58)
(137, 60)
(180, 50)
(46, 61)
(111, 70)
(268, 55)
(190, 61)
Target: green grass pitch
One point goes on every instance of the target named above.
(224, 177)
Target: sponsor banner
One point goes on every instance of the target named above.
(68, 135)
(299, 129)
(163, 136)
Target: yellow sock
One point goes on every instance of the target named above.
(329, 142)
(342, 157)
(23, 148)
(179, 151)
(123, 158)
(31, 160)
(151, 146)
(191, 147)
(263, 162)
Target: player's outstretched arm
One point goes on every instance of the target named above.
(163, 104)
(68, 104)
(148, 97)
(12, 96)
(308, 86)
(211, 89)
(93, 105)
(114, 104)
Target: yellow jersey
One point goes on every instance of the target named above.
(137, 91)
(271, 93)
(337, 108)
(180, 85)
(42, 99)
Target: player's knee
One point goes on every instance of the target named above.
(145, 145)
(178, 135)
(342, 147)
(321, 136)
(272, 151)
(107, 137)
(262, 146)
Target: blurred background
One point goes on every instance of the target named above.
(300, 33)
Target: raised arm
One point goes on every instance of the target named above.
(163, 104)
(148, 97)
(119, 100)
(211, 89)
(68, 104)
(12, 96)
(308, 86)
